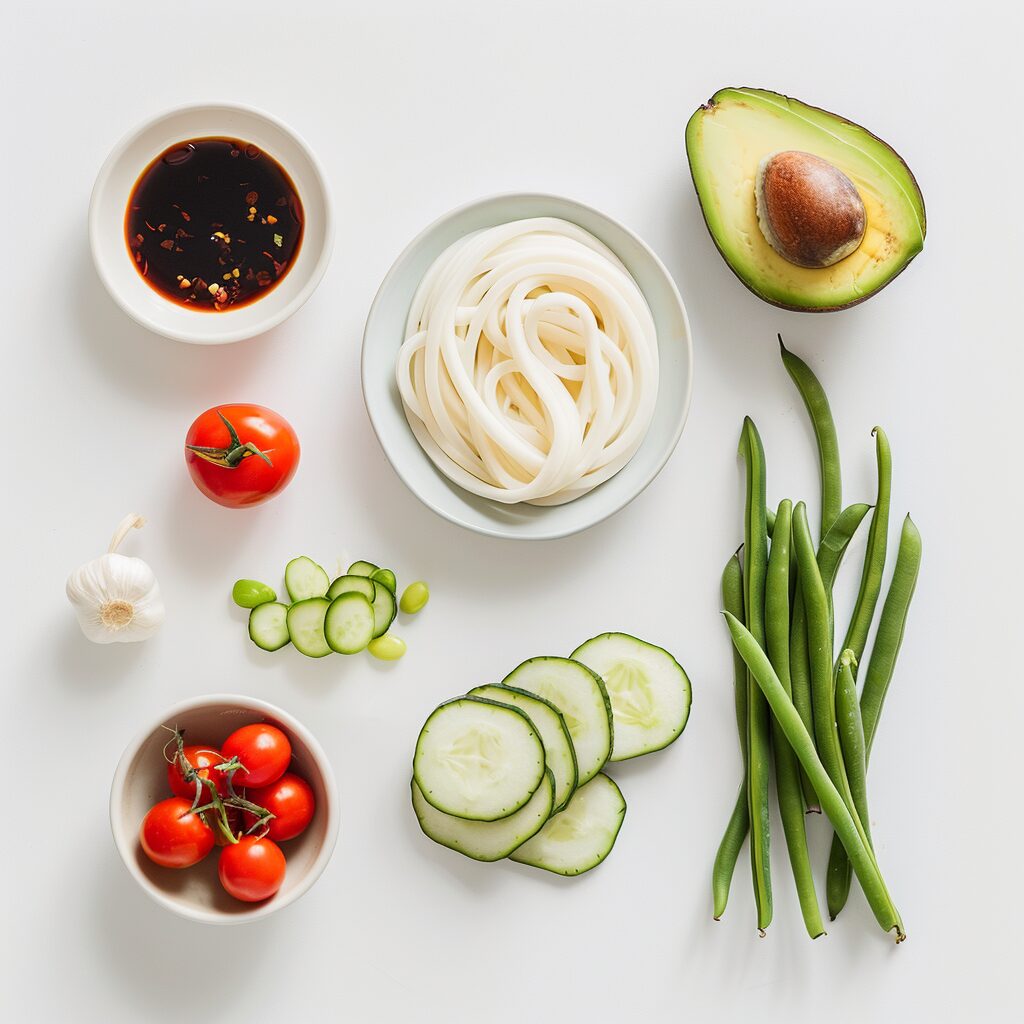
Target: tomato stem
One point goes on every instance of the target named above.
(233, 453)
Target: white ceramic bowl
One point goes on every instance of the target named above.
(113, 187)
(385, 332)
(141, 781)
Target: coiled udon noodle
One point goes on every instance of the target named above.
(529, 372)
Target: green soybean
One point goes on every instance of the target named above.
(414, 598)
(881, 665)
(787, 767)
(832, 802)
(739, 821)
(251, 593)
(387, 647)
(874, 556)
(825, 435)
(755, 555)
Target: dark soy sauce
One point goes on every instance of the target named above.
(213, 223)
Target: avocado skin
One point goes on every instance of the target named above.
(750, 285)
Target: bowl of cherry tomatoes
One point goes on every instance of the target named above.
(225, 809)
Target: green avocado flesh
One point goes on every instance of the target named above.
(727, 138)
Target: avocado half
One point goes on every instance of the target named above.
(727, 138)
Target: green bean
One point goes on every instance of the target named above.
(874, 556)
(739, 820)
(832, 802)
(877, 677)
(851, 736)
(787, 768)
(830, 554)
(755, 555)
(414, 598)
(769, 520)
(251, 593)
(824, 427)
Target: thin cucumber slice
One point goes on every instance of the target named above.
(559, 752)
(305, 579)
(581, 697)
(352, 584)
(268, 626)
(649, 691)
(387, 577)
(306, 627)
(478, 759)
(362, 568)
(348, 624)
(581, 836)
(486, 840)
(385, 608)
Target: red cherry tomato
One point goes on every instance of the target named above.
(172, 836)
(264, 751)
(203, 760)
(241, 455)
(290, 800)
(251, 869)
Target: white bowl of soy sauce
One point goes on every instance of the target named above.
(210, 224)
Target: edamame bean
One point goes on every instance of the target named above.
(832, 802)
(739, 821)
(877, 677)
(387, 647)
(874, 556)
(251, 593)
(755, 555)
(824, 427)
(787, 768)
(414, 598)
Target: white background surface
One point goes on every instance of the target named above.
(414, 108)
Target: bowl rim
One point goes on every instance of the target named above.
(125, 843)
(182, 334)
(510, 533)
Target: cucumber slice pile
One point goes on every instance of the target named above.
(514, 769)
(345, 616)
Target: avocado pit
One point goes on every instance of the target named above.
(809, 212)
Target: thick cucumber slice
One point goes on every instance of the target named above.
(387, 577)
(352, 584)
(385, 608)
(649, 691)
(348, 624)
(581, 697)
(478, 759)
(306, 627)
(305, 579)
(554, 733)
(581, 836)
(362, 568)
(486, 840)
(268, 626)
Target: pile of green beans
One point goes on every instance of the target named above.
(798, 707)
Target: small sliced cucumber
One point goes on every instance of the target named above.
(306, 626)
(385, 608)
(362, 569)
(268, 626)
(486, 840)
(581, 697)
(305, 579)
(559, 752)
(478, 759)
(352, 584)
(581, 836)
(649, 691)
(348, 625)
(387, 577)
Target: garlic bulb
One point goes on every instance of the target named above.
(117, 598)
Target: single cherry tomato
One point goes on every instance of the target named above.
(251, 869)
(203, 759)
(290, 800)
(241, 455)
(172, 836)
(264, 751)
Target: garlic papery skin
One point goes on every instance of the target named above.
(116, 598)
